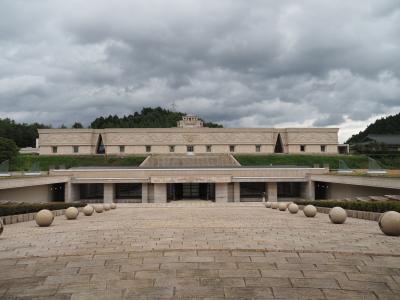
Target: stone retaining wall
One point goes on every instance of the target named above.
(358, 214)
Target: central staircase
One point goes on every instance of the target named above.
(189, 161)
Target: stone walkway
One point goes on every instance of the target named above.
(199, 251)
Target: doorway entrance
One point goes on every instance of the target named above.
(57, 192)
(190, 191)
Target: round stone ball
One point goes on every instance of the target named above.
(337, 215)
(274, 205)
(98, 208)
(282, 206)
(107, 206)
(88, 210)
(389, 223)
(293, 208)
(268, 204)
(71, 213)
(113, 205)
(44, 218)
(1, 227)
(310, 211)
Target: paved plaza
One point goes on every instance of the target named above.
(199, 250)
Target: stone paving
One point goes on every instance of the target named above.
(199, 251)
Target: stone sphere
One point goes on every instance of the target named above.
(274, 205)
(71, 213)
(88, 210)
(293, 208)
(268, 204)
(107, 206)
(389, 223)
(113, 205)
(99, 208)
(1, 227)
(337, 215)
(44, 218)
(310, 211)
(282, 206)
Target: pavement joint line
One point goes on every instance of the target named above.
(344, 253)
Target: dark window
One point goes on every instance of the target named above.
(122, 149)
(258, 148)
(302, 148)
(321, 190)
(76, 149)
(171, 148)
(252, 189)
(232, 148)
(208, 148)
(278, 144)
(128, 190)
(190, 148)
(54, 149)
(323, 148)
(288, 189)
(91, 191)
(100, 146)
(148, 148)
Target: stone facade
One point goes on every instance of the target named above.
(125, 141)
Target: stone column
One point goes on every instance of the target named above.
(236, 191)
(310, 190)
(272, 191)
(71, 192)
(160, 193)
(145, 193)
(109, 193)
(221, 192)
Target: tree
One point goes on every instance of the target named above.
(8, 149)
(24, 135)
(147, 118)
(77, 125)
(388, 125)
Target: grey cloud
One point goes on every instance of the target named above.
(264, 63)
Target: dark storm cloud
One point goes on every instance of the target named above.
(258, 63)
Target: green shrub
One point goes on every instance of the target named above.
(24, 208)
(8, 149)
(373, 206)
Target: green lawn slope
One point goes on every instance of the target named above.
(24, 162)
(352, 161)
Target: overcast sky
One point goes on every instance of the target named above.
(240, 63)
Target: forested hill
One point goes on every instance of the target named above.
(147, 118)
(388, 125)
(24, 135)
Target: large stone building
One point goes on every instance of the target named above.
(189, 162)
(189, 137)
